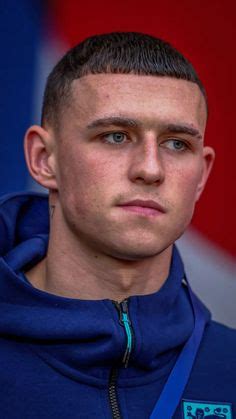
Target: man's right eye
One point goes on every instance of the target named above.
(115, 138)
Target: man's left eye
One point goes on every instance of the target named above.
(115, 138)
(176, 145)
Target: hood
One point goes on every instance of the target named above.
(84, 339)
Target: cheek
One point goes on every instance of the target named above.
(189, 186)
(85, 181)
(185, 183)
(181, 193)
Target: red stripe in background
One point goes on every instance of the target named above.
(205, 32)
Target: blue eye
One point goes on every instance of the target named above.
(115, 138)
(176, 145)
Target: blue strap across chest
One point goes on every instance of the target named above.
(178, 378)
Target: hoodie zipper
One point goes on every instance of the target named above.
(113, 394)
(125, 321)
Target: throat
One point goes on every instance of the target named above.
(99, 278)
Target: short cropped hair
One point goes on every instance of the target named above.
(116, 53)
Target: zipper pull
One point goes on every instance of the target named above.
(126, 323)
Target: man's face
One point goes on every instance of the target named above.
(126, 138)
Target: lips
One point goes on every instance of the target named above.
(146, 207)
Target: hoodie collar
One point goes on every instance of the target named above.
(84, 338)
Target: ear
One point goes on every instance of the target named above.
(208, 160)
(40, 156)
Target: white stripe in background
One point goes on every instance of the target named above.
(212, 275)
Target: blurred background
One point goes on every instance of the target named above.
(35, 34)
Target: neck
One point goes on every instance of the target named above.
(72, 269)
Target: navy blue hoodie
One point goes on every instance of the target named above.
(65, 358)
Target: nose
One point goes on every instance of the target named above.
(146, 164)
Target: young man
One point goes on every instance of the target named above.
(97, 317)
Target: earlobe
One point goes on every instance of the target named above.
(40, 156)
(208, 160)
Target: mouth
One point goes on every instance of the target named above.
(143, 207)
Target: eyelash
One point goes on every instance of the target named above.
(103, 137)
(185, 144)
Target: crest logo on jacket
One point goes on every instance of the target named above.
(206, 410)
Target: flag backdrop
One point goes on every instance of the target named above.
(34, 34)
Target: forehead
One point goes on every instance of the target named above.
(148, 98)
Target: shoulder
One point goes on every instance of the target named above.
(213, 375)
(216, 358)
(219, 340)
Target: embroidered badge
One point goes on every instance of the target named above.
(206, 410)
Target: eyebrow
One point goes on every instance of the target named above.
(114, 120)
(183, 129)
(133, 123)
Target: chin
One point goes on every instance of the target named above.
(136, 253)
